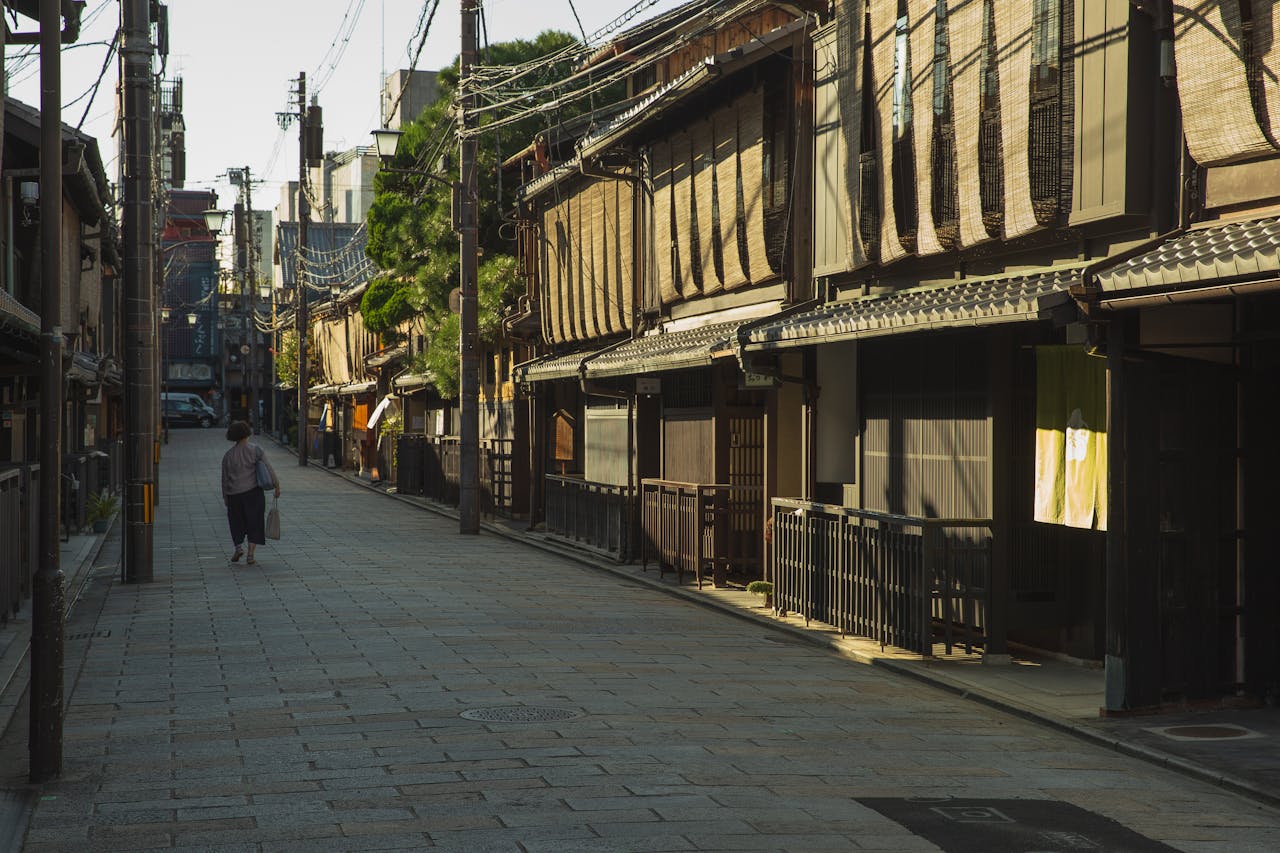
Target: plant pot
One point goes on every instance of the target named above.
(100, 526)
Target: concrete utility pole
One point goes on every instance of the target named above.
(300, 284)
(44, 741)
(468, 356)
(140, 313)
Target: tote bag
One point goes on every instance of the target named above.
(263, 472)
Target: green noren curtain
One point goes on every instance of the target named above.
(1071, 438)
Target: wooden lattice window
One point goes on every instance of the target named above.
(944, 178)
(904, 156)
(868, 165)
(777, 168)
(1045, 130)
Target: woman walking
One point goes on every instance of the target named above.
(241, 492)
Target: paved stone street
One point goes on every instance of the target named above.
(315, 702)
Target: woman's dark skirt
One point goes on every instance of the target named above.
(245, 513)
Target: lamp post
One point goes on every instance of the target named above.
(387, 142)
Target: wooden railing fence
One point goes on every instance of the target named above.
(692, 527)
(596, 515)
(896, 579)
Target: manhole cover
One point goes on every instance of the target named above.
(1227, 732)
(521, 714)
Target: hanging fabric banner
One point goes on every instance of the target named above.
(1071, 438)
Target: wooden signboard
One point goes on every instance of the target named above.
(562, 436)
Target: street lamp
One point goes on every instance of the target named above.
(386, 140)
(387, 143)
(214, 219)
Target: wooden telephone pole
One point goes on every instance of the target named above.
(468, 354)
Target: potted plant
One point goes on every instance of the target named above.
(99, 510)
(764, 588)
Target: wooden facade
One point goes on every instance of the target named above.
(962, 178)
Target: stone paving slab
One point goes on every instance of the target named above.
(327, 684)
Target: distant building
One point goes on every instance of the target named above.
(420, 88)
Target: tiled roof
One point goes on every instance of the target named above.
(664, 351)
(969, 303)
(552, 367)
(1233, 250)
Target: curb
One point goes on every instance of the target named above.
(964, 691)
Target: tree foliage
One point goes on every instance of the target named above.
(410, 223)
(286, 359)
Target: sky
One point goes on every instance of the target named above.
(238, 61)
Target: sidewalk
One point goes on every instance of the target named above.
(77, 558)
(1235, 748)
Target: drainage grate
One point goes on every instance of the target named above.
(1214, 732)
(521, 714)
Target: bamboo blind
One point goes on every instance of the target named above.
(726, 154)
(556, 225)
(922, 15)
(751, 181)
(592, 262)
(664, 243)
(579, 261)
(1266, 42)
(1013, 37)
(1217, 113)
(606, 242)
(700, 137)
(624, 279)
(682, 186)
(849, 63)
(884, 20)
(964, 28)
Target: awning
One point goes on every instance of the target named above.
(413, 381)
(322, 390)
(548, 367)
(660, 351)
(83, 368)
(1201, 263)
(383, 357)
(974, 302)
(14, 311)
(357, 388)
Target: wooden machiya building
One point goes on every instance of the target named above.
(1028, 415)
(653, 241)
(1190, 321)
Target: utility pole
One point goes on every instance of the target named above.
(140, 314)
(44, 741)
(300, 283)
(251, 278)
(468, 357)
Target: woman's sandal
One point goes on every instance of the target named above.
(235, 558)
(251, 562)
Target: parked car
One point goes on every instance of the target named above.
(183, 413)
(186, 397)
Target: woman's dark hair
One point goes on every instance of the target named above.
(239, 430)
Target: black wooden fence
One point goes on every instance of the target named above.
(19, 534)
(595, 515)
(899, 580)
